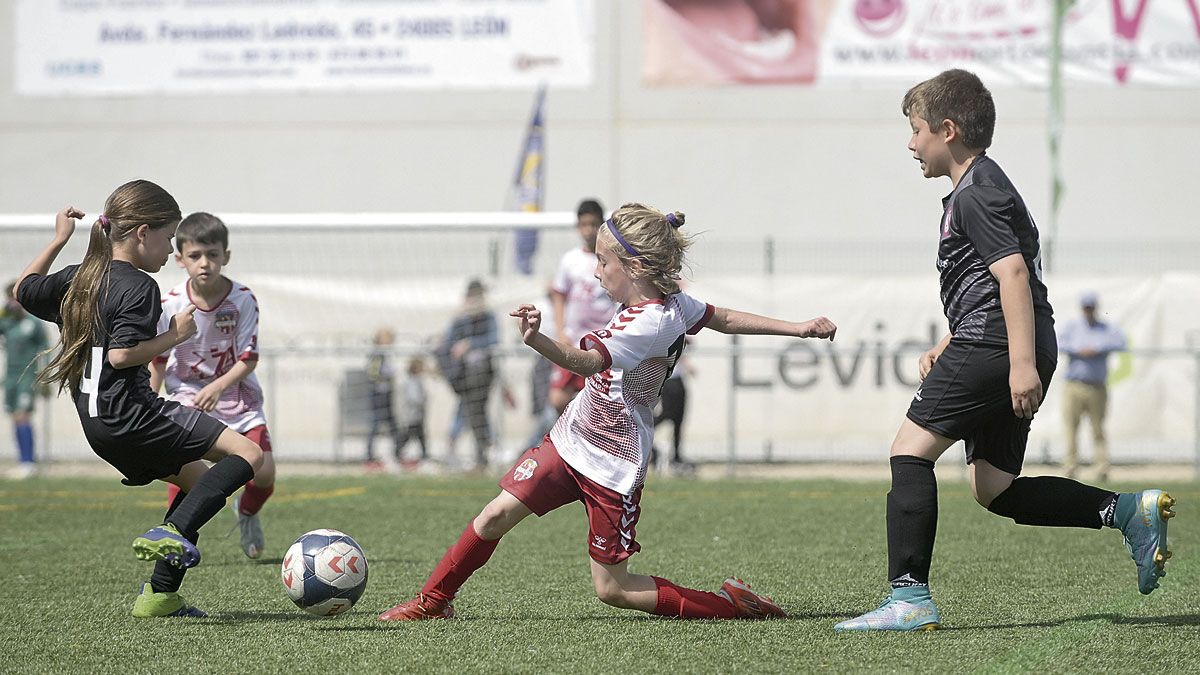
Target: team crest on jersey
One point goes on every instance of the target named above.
(946, 222)
(226, 321)
(524, 470)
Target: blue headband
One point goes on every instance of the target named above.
(612, 227)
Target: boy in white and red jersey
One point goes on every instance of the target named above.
(598, 450)
(580, 304)
(213, 371)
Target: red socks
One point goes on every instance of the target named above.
(468, 554)
(253, 498)
(688, 603)
(251, 502)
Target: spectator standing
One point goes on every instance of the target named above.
(1087, 341)
(414, 396)
(465, 359)
(381, 375)
(24, 338)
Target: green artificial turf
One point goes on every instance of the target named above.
(1012, 598)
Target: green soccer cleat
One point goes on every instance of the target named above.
(916, 613)
(1142, 517)
(149, 604)
(166, 543)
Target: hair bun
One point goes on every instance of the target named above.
(675, 219)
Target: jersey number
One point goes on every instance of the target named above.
(91, 379)
(673, 355)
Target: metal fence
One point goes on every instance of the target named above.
(319, 407)
(327, 279)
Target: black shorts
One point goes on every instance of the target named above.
(966, 397)
(156, 444)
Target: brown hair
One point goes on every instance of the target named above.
(130, 206)
(202, 228)
(658, 241)
(959, 96)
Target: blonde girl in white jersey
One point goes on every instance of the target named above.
(598, 450)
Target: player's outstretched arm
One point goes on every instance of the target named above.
(182, 327)
(529, 322)
(64, 227)
(734, 322)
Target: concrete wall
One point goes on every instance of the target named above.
(789, 161)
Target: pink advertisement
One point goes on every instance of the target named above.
(855, 42)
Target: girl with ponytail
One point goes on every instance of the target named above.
(598, 451)
(107, 310)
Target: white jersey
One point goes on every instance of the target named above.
(588, 307)
(607, 431)
(224, 336)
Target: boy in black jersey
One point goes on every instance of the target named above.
(107, 308)
(983, 382)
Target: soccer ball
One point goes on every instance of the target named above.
(324, 572)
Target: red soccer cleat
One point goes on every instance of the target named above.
(418, 609)
(749, 605)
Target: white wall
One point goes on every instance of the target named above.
(790, 161)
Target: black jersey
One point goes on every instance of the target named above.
(145, 437)
(129, 306)
(984, 220)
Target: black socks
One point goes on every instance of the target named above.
(912, 512)
(207, 497)
(167, 578)
(1108, 511)
(1051, 501)
(190, 510)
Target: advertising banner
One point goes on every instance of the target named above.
(846, 399)
(94, 47)
(841, 42)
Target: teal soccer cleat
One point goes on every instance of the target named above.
(166, 543)
(916, 614)
(1142, 517)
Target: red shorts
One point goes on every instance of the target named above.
(542, 481)
(562, 378)
(260, 436)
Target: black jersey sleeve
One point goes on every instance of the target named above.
(41, 294)
(135, 315)
(985, 215)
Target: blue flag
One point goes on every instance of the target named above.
(527, 184)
